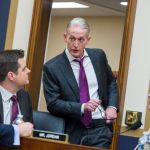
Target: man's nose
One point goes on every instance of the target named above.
(76, 43)
(28, 70)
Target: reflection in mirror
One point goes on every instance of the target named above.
(106, 20)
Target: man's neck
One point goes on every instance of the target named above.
(9, 87)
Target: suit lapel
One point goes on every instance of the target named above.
(1, 109)
(68, 74)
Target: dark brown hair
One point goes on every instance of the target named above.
(9, 62)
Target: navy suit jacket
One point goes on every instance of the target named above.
(6, 135)
(62, 92)
(24, 105)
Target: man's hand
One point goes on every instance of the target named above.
(25, 129)
(111, 114)
(91, 105)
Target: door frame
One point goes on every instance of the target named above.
(37, 47)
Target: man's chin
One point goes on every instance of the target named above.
(76, 56)
(27, 82)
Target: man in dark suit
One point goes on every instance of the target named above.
(9, 133)
(13, 77)
(62, 88)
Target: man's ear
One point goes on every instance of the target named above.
(88, 40)
(65, 37)
(11, 75)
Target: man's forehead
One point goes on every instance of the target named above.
(21, 61)
(77, 33)
(78, 28)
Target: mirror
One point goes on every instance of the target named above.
(106, 20)
(38, 44)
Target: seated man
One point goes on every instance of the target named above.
(9, 134)
(14, 99)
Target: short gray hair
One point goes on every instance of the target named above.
(78, 21)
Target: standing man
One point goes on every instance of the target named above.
(14, 99)
(80, 87)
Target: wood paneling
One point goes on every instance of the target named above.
(11, 24)
(125, 53)
(124, 65)
(147, 120)
(38, 144)
(132, 133)
(37, 46)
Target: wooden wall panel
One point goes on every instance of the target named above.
(37, 46)
(11, 24)
(124, 65)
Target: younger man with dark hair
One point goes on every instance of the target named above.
(14, 99)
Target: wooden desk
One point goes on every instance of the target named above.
(39, 144)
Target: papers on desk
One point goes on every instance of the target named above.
(144, 142)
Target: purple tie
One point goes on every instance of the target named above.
(84, 93)
(14, 108)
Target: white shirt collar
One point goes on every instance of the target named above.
(71, 58)
(6, 95)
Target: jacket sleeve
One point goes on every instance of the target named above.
(6, 135)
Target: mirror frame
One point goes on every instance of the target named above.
(37, 47)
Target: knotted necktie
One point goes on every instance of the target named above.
(15, 110)
(84, 93)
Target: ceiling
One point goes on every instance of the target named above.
(97, 8)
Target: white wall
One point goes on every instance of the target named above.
(139, 67)
(23, 24)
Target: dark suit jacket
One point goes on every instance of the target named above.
(62, 92)
(24, 105)
(6, 135)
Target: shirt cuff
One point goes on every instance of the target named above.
(113, 107)
(16, 135)
(82, 109)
